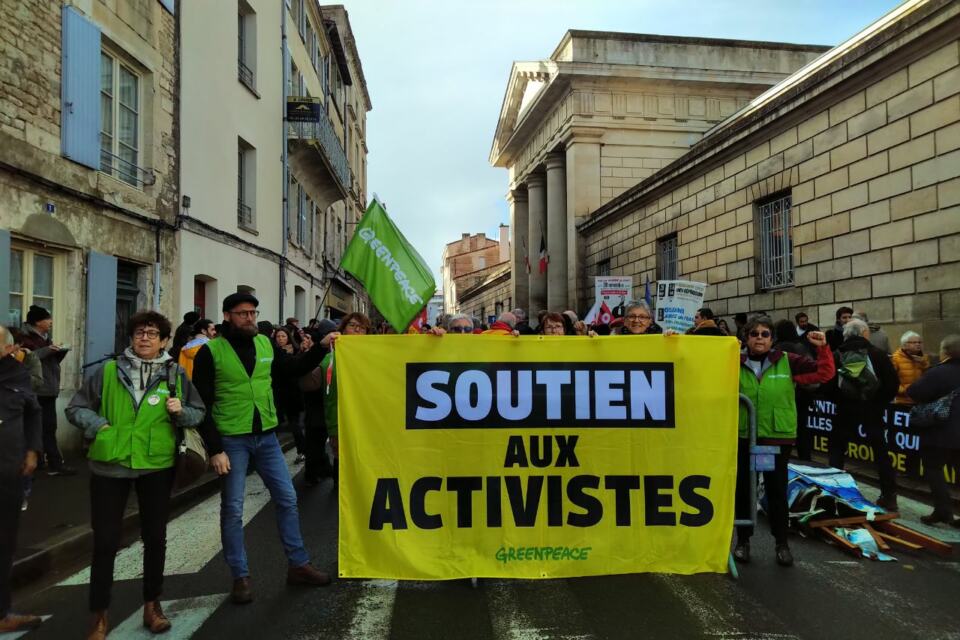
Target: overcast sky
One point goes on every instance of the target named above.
(437, 70)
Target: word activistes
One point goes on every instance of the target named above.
(457, 395)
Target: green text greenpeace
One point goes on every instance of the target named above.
(522, 554)
(396, 277)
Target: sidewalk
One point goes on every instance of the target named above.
(56, 526)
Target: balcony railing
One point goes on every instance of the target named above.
(245, 74)
(125, 170)
(244, 215)
(322, 132)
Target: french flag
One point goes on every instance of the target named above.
(543, 254)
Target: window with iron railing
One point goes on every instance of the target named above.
(246, 45)
(119, 120)
(667, 258)
(246, 186)
(776, 242)
(603, 267)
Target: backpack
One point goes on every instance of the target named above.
(856, 378)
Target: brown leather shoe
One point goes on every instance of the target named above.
(98, 626)
(241, 593)
(15, 622)
(153, 617)
(307, 575)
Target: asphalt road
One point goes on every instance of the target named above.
(825, 595)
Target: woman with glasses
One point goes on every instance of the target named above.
(460, 323)
(638, 320)
(768, 377)
(130, 411)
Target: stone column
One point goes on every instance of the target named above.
(583, 198)
(537, 222)
(557, 276)
(519, 245)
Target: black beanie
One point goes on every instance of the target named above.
(234, 299)
(37, 314)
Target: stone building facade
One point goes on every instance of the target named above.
(467, 262)
(88, 168)
(604, 112)
(273, 213)
(841, 186)
(488, 298)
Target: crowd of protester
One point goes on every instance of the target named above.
(238, 381)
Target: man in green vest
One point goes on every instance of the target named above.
(234, 374)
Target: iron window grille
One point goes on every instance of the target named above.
(667, 258)
(776, 243)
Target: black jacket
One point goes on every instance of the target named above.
(882, 368)
(935, 383)
(19, 420)
(284, 366)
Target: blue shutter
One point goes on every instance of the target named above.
(169, 5)
(4, 276)
(80, 121)
(101, 306)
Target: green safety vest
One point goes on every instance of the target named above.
(139, 437)
(236, 393)
(773, 397)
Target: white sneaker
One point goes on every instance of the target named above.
(300, 459)
(24, 504)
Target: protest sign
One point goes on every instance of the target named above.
(677, 302)
(615, 291)
(903, 442)
(535, 457)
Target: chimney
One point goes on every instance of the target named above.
(504, 243)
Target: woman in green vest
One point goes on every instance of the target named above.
(767, 377)
(130, 411)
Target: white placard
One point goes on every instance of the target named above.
(677, 302)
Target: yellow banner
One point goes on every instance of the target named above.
(535, 457)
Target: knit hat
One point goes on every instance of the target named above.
(234, 299)
(37, 314)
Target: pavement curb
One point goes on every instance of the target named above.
(32, 567)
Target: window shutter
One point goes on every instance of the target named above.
(80, 122)
(101, 306)
(5, 278)
(169, 5)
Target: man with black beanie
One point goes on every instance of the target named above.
(234, 374)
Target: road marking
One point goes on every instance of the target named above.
(510, 622)
(186, 616)
(13, 635)
(193, 539)
(374, 612)
(714, 622)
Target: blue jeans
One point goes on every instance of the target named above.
(263, 451)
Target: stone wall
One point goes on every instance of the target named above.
(482, 301)
(874, 175)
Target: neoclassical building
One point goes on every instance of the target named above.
(603, 112)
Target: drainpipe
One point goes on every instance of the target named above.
(285, 56)
(156, 271)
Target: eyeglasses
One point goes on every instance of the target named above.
(760, 334)
(354, 325)
(637, 318)
(558, 329)
(153, 334)
(254, 313)
(460, 330)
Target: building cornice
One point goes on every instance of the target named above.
(894, 40)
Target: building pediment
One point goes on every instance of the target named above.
(527, 82)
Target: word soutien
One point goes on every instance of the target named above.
(456, 395)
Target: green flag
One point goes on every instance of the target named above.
(393, 273)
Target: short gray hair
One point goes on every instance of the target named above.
(638, 304)
(855, 328)
(508, 319)
(908, 336)
(951, 346)
(459, 316)
(860, 315)
(520, 313)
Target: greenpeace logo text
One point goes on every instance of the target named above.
(530, 395)
(385, 256)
